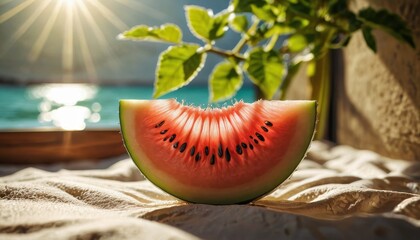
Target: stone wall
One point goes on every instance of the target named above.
(378, 101)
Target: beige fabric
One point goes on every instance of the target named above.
(337, 192)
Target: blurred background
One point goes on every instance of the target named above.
(62, 67)
(61, 64)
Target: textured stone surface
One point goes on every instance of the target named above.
(378, 104)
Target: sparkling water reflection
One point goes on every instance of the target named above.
(80, 106)
(59, 105)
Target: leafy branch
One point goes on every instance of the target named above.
(277, 36)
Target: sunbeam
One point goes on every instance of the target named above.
(4, 2)
(66, 40)
(68, 46)
(86, 55)
(110, 16)
(12, 12)
(100, 36)
(24, 27)
(40, 42)
(142, 8)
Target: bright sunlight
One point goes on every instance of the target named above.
(59, 105)
(74, 33)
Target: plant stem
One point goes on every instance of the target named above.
(245, 37)
(318, 20)
(240, 44)
(291, 73)
(270, 45)
(321, 91)
(225, 53)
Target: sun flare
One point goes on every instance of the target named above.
(69, 3)
(80, 31)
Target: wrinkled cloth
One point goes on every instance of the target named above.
(337, 192)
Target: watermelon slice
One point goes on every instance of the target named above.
(217, 156)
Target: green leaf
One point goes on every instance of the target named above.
(347, 21)
(265, 69)
(220, 25)
(297, 43)
(239, 23)
(300, 8)
(388, 22)
(164, 33)
(298, 23)
(204, 25)
(310, 69)
(225, 81)
(346, 41)
(264, 13)
(337, 6)
(245, 5)
(278, 29)
(369, 39)
(177, 66)
(199, 21)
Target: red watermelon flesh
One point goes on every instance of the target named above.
(217, 156)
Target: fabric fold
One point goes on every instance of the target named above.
(333, 183)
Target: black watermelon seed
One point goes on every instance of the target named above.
(192, 151)
(268, 123)
(163, 131)
(206, 150)
(251, 137)
(166, 138)
(255, 141)
(197, 157)
(264, 129)
(172, 138)
(182, 147)
(251, 146)
(259, 136)
(160, 124)
(238, 149)
(243, 144)
(176, 145)
(227, 154)
(220, 151)
(212, 159)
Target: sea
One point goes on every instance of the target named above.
(81, 106)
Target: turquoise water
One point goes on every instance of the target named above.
(80, 106)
